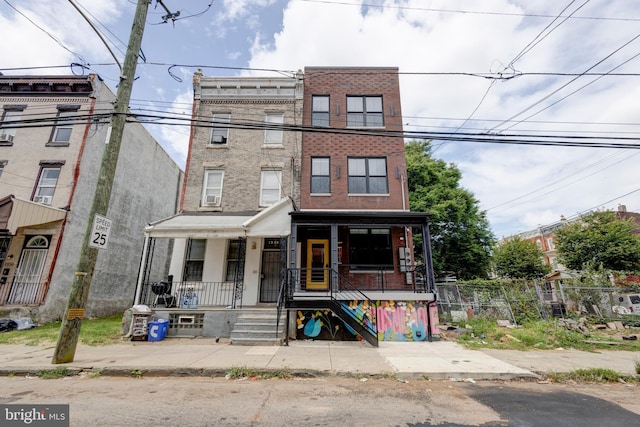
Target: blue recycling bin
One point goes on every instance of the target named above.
(158, 329)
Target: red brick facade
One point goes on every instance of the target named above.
(338, 83)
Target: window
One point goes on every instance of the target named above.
(194, 262)
(233, 260)
(364, 111)
(273, 136)
(212, 188)
(320, 111)
(320, 175)
(368, 176)
(46, 185)
(220, 130)
(10, 115)
(550, 243)
(370, 248)
(3, 163)
(64, 123)
(270, 187)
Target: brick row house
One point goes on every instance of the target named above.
(310, 219)
(53, 131)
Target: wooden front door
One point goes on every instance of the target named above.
(318, 264)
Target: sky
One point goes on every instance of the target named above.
(548, 69)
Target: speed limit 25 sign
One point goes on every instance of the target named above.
(100, 232)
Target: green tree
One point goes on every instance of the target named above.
(519, 259)
(461, 238)
(599, 238)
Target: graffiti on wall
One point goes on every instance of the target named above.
(395, 321)
(402, 321)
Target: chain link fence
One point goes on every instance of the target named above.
(522, 301)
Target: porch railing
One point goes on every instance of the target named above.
(21, 293)
(189, 295)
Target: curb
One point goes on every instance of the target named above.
(185, 372)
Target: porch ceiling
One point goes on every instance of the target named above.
(361, 217)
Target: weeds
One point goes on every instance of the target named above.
(593, 375)
(136, 373)
(638, 367)
(53, 374)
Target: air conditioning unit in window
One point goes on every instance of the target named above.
(218, 139)
(42, 199)
(213, 200)
(5, 137)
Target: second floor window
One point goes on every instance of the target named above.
(320, 111)
(368, 175)
(212, 188)
(46, 185)
(270, 187)
(273, 133)
(320, 175)
(364, 111)
(220, 129)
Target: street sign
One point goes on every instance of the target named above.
(100, 232)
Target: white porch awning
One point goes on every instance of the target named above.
(16, 213)
(273, 221)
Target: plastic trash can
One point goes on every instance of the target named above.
(158, 329)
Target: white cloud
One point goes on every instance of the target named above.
(418, 40)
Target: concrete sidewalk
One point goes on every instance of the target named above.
(434, 360)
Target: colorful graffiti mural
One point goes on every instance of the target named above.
(395, 321)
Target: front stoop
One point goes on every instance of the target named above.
(258, 328)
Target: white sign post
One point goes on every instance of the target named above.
(100, 232)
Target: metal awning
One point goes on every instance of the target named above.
(16, 213)
(273, 221)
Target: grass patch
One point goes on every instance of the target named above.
(593, 375)
(136, 373)
(238, 372)
(242, 372)
(53, 374)
(539, 335)
(96, 332)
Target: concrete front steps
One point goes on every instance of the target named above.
(258, 327)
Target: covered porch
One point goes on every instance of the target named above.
(371, 269)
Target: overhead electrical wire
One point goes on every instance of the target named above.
(470, 12)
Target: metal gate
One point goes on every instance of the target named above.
(270, 278)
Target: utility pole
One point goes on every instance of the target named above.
(72, 321)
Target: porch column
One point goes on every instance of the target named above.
(428, 262)
(334, 256)
(142, 271)
(293, 245)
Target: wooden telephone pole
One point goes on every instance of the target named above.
(72, 321)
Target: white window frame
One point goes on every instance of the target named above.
(220, 132)
(212, 195)
(8, 117)
(270, 184)
(62, 124)
(273, 137)
(46, 185)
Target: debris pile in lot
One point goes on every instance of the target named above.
(579, 326)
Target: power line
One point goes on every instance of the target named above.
(471, 12)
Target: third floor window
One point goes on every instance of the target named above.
(320, 110)
(220, 129)
(364, 111)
